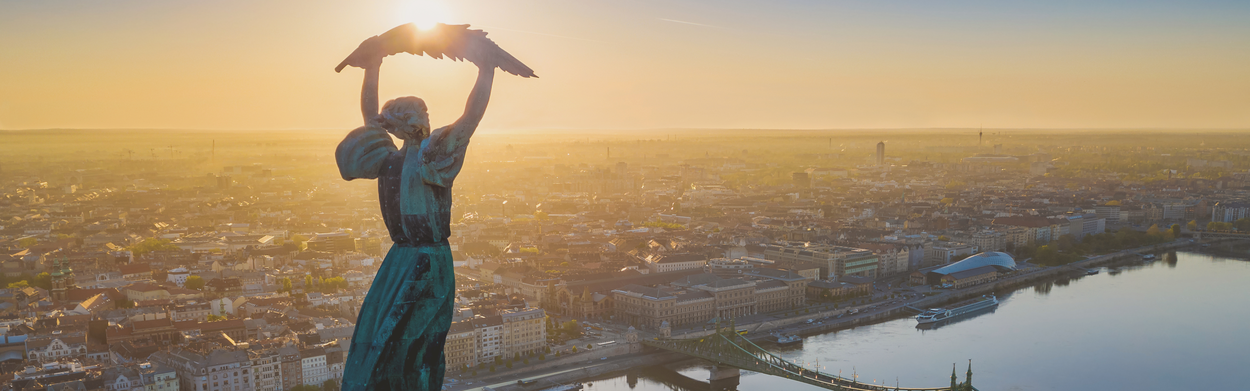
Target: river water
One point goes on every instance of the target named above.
(1176, 324)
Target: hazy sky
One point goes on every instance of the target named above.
(268, 64)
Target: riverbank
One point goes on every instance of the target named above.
(760, 331)
(541, 381)
(829, 321)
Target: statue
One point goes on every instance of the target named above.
(400, 332)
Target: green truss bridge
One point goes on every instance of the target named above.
(731, 352)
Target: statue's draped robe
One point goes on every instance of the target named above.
(398, 343)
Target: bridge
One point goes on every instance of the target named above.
(731, 352)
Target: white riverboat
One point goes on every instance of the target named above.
(958, 309)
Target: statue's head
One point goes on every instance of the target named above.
(406, 118)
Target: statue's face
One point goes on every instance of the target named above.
(416, 128)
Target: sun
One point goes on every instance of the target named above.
(423, 13)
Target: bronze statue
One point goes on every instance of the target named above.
(398, 342)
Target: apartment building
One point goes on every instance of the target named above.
(892, 259)
(266, 370)
(663, 263)
(313, 364)
(524, 331)
(942, 253)
(480, 340)
(221, 370)
(833, 261)
(700, 298)
(1037, 229)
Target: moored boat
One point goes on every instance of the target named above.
(566, 387)
(788, 339)
(958, 309)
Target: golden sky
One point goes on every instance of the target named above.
(268, 64)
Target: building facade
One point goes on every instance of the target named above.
(700, 298)
(480, 340)
(833, 261)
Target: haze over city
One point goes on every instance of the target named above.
(690, 196)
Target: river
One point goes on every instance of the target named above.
(1178, 323)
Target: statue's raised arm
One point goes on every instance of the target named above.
(406, 118)
(457, 42)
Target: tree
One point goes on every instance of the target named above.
(334, 284)
(308, 282)
(286, 284)
(300, 241)
(508, 364)
(194, 282)
(43, 280)
(542, 357)
(1176, 230)
(27, 242)
(19, 285)
(574, 349)
(1242, 225)
(547, 349)
(1193, 225)
(215, 318)
(330, 385)
(1047, 255)
(1153, 231)
(1219, 226)
(588, 346)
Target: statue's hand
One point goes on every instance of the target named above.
(368, 55)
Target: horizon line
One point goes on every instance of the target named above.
(562, 129)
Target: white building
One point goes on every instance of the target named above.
(56, 347)
(221, 370)
(266, 370)
(1228, 212)
(674, 262)
(178, 276)
(942, 253)
(489, 337)
(313, 362)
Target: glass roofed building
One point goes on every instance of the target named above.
(999, 260)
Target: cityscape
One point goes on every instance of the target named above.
(223, 262)
(680, 195)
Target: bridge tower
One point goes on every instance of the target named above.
(954, 378)
(666, 330)
(724, 377)
(968, 377)
(631, 338)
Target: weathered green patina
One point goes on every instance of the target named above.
(403, 323)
